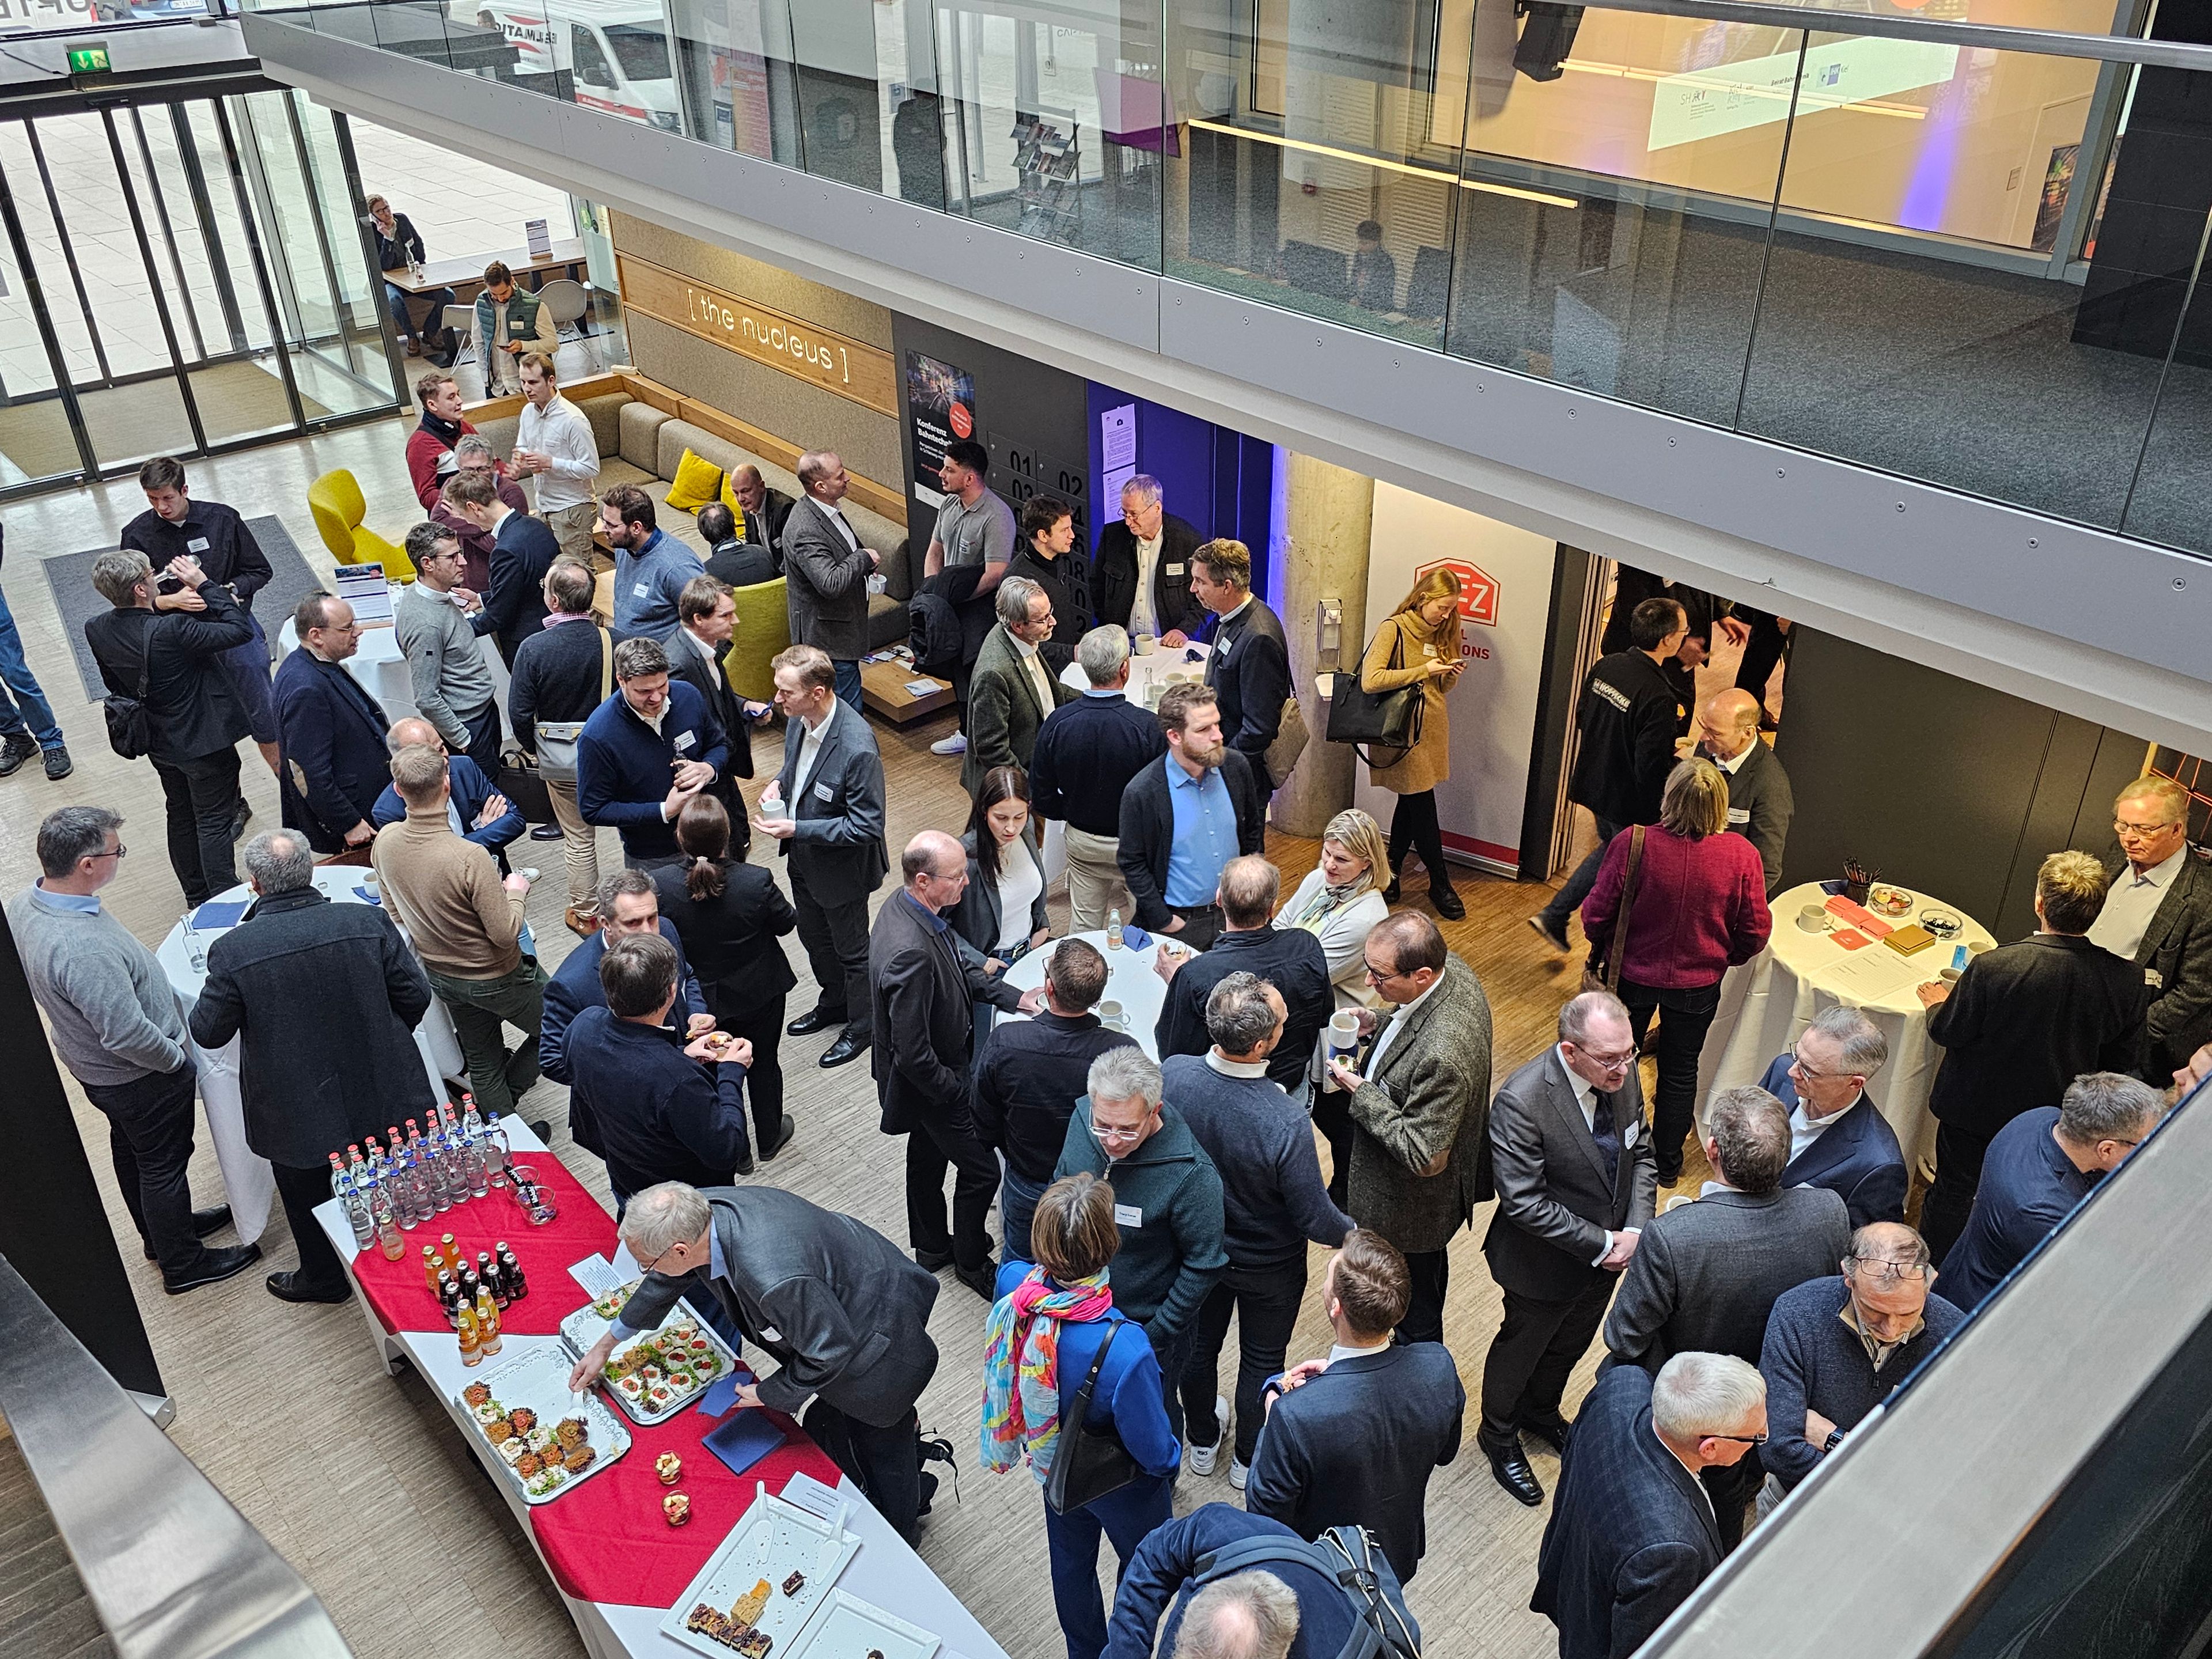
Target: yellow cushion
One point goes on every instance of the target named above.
(697, 481)
(729, 500)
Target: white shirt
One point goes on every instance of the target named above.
(2131, 903)
(1732, 767)
(809, 756)
(1805, 1129)
(1236, 609)
(1020, 882)
(836, 514)
(1141, 620)
(1038, 675)
(560, 433)
(1397, 1023)
(706, 653)
(1337, 1350)
(1238, 1068)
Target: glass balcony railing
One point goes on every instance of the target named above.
(1967, 253)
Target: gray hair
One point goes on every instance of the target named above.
(280, 862)
(404, 734)
(1015, 594)
(636, 659)
(1103, 652)
(473, 444)
(1752, 1132)
(1887, 1241)
(1578, 1013)
(618, 882)
(1865, 1050)
(2098, 1105)
(1124, 1074)
(1696, 1394)
(660, 1217)
(69, 833)
(115, 573)
(1143, 486)
(1238, 1016)
(1248, 1616)
(422, 540)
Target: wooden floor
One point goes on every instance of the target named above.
(357, 1477)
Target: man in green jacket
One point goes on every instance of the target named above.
(1167, 1203)
(510, 321)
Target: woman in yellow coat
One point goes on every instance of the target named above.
(1418, 644)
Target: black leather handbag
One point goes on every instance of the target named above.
(1088, 1463)
(1382, 719)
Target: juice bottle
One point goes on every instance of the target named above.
(471, 1355)
(487, 1324)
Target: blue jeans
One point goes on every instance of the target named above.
(23, 706)
(849, 684)
(1018, 1202)
(397, 300)
(1128, 1517)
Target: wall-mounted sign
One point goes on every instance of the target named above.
(940, 401)
(90, 59)
(1478, 593)
(836, 362)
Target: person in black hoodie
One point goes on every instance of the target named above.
(1047, 557)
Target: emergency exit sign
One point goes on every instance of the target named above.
(90, 59)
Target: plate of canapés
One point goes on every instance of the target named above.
(546, 1438)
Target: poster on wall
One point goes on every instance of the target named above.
(941, 404)
(1505, 598)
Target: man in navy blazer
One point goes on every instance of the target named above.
(479, 811)
(1838, 1137)
(332, 760)
(522, 549)
(1631, 1534)
(629, 903)
(1355, 1436)
(644, 753)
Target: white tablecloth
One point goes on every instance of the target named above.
(245, 1174)
(1130, 982)
(1768, 1002)
(382, 669)
(886, 1571)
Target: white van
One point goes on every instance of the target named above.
(617, 51)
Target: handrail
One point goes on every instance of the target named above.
(174, 1570)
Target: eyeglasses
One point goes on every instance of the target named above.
(1614, 1062)
(2122, 828)
(1114, 1136)
(120, 849)
(1887, 1272)
(1378, 975)
(1739, 1439)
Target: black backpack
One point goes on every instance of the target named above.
(1345, 1555)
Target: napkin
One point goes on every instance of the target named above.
(1133, 937)
(744, 1439)
(218, 913)
(719, 1395)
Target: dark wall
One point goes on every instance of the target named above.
(1215, 476)
(1945, 786)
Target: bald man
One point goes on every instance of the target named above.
(477, 812)
(1759, 801)
(922, 990)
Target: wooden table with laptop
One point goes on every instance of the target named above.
(465, 275)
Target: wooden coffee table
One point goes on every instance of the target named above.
(884, 688)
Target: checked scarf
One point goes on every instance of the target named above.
(1021, 1366)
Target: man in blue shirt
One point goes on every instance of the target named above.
(1086, 753)
(644, 753)
(1184, 818)
(651, 567)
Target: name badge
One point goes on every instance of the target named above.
(770, 1333)
(683, 741)
(1128, 1215)
(1738, 814)
(2154, 979)
(197, 544)
(1175, 570)
(1428, 650)
(640, 592)
(1628, 1134)
(822, 793)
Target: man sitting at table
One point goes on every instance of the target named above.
(477, 812)
(837, 1305)
(628, 904)
(1838, 1137)
(639, 1095)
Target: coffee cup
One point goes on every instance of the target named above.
(1144, 645)
(1813, 918)
(1109, 1012)
(1344, 1031)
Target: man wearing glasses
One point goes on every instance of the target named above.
(1572, 1163)
(2158, 915)
(2040, 1166)
(332, 762)
(452, 683)
(1838, 1137)
(1835, 1348)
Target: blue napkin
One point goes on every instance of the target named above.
(719, 1395)
(368, 898)
(218, 913)
(1133, 937)
(744, 1439)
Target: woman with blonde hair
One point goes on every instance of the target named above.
(1418, 644)
(1698, 909)
(1340, 902)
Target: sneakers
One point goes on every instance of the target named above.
(1201, 1458)
(1543, 931)
(19, 748)
(1239, 1474)
(58, 764)
(954, 744)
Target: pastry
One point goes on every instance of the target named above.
(746, 1609)
(488, 1413)
(527, 1464)
(499, 1431)
(572, 1431)
(795, 1583)
(476, 1394)
(579, 1458)
(755, 1645)
(677, 1507)
(523, 1419)
(512, 1450)
(669, 1466)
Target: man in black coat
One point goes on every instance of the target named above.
(561, 677)
(1047, 557)
(326, 998)
(1140, 575)
(630, 902)
(1571, 1155)
(2021, 1023)
(1630, 716)
(707, 622)
(1632, 1534)
(844, 1315)
(2158, 914)
(174, 662)
(1184, 818)
(330, 732)
(1760, 803)
(1249, 667)
(1289, 959)
(522, 549)
(765, 510)
(731, 560)
(920, 989)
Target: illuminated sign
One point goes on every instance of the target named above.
(90, 59)
(1731, 97)
(1478, 593)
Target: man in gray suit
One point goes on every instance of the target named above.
(1416, 1103)
(2158, 914)
(1705, 1275)
(1011, 688)
(1571, 1155)
(1760, 803)
(826, 806)
(826, 572)
(836, 1305)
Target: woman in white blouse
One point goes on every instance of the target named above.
(1001, 915)
(1342, 900)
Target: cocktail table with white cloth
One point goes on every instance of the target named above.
(381, 666)
(245, 1174)
(1150, 675)
(1130, 981)
(1767, 1003)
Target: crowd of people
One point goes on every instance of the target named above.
(1173, 1185)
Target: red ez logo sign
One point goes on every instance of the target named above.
(1478, 593)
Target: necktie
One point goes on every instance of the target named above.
(1607, 1136)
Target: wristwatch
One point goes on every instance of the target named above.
(1835, 1439)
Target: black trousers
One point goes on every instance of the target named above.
(761, 1025)
(1201, 925)
(150, 1137)
(320, 1271)
(940, 1143)
(1332, 1116)
(1684, 1017)
(1950, 1200)
(885, 1464)
(1537, 1347)
(484, 738)
(1761, 651)
(202, 798)
(1265, 1302)
(1569, 899)
(1429, 1274)
(834, 931)
(1413, 825)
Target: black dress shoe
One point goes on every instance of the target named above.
(983, 1281)
(1551, 1430)
(239, 817)
(214, 1267)
(543, 1131)
(744, 1165)
(820, 1020)
(546, 832)
(203, 1223)
(285, 1288)
(1446, 904)
(846, 1048)
(1390, 893)
(933, 1260)
(783, 1137)
(1513, 1472)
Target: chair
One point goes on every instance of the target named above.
(335, 500)
(571, 303)
(462, 319)
(763, 629)
(1317, 271)
(1429, 291)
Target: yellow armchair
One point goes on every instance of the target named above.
(335, 498)
(763, 629)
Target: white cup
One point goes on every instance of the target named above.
(1344, 1031)
(1145, 645)
(1110, 1012)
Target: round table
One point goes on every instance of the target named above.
(1767, 1002)
(245, 1173)
(1130, 982)
(381, 668)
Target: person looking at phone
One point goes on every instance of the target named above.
(1418, 644)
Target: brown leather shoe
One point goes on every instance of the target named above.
(581, 927)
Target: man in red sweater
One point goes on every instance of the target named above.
(430, 445)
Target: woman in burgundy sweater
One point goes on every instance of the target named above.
(1699, 909)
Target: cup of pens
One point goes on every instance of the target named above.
(1858, 880)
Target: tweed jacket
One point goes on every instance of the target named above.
(2175, 957)
(1003, 710)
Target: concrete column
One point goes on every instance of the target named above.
(1330, 512)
